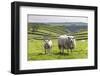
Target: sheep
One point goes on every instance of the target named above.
(66, 42)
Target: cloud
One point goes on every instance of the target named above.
(48, 18)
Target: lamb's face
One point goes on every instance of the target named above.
(46, 41)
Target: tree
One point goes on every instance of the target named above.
(33, 27)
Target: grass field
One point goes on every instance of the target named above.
(35, 42)
(36, 51)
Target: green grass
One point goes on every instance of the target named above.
(36, 51)
(35, 43)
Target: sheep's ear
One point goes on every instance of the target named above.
(68, 37)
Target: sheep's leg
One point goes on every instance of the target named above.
(71, 50)
(62, 49)
(68, 51)
(59, 48)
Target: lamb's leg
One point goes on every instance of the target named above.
(71, 50)
(48, 51)
(45, 51)
(68, 51)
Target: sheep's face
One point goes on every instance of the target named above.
(71, 39)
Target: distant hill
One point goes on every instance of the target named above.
(69, 23)
(69, 26)
(73, 28)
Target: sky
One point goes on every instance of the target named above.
(55, 19)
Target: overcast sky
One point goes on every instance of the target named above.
(46, 19)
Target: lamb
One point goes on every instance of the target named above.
(47, 46)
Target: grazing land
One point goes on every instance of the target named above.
(37, 31)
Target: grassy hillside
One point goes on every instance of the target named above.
(53, 32)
